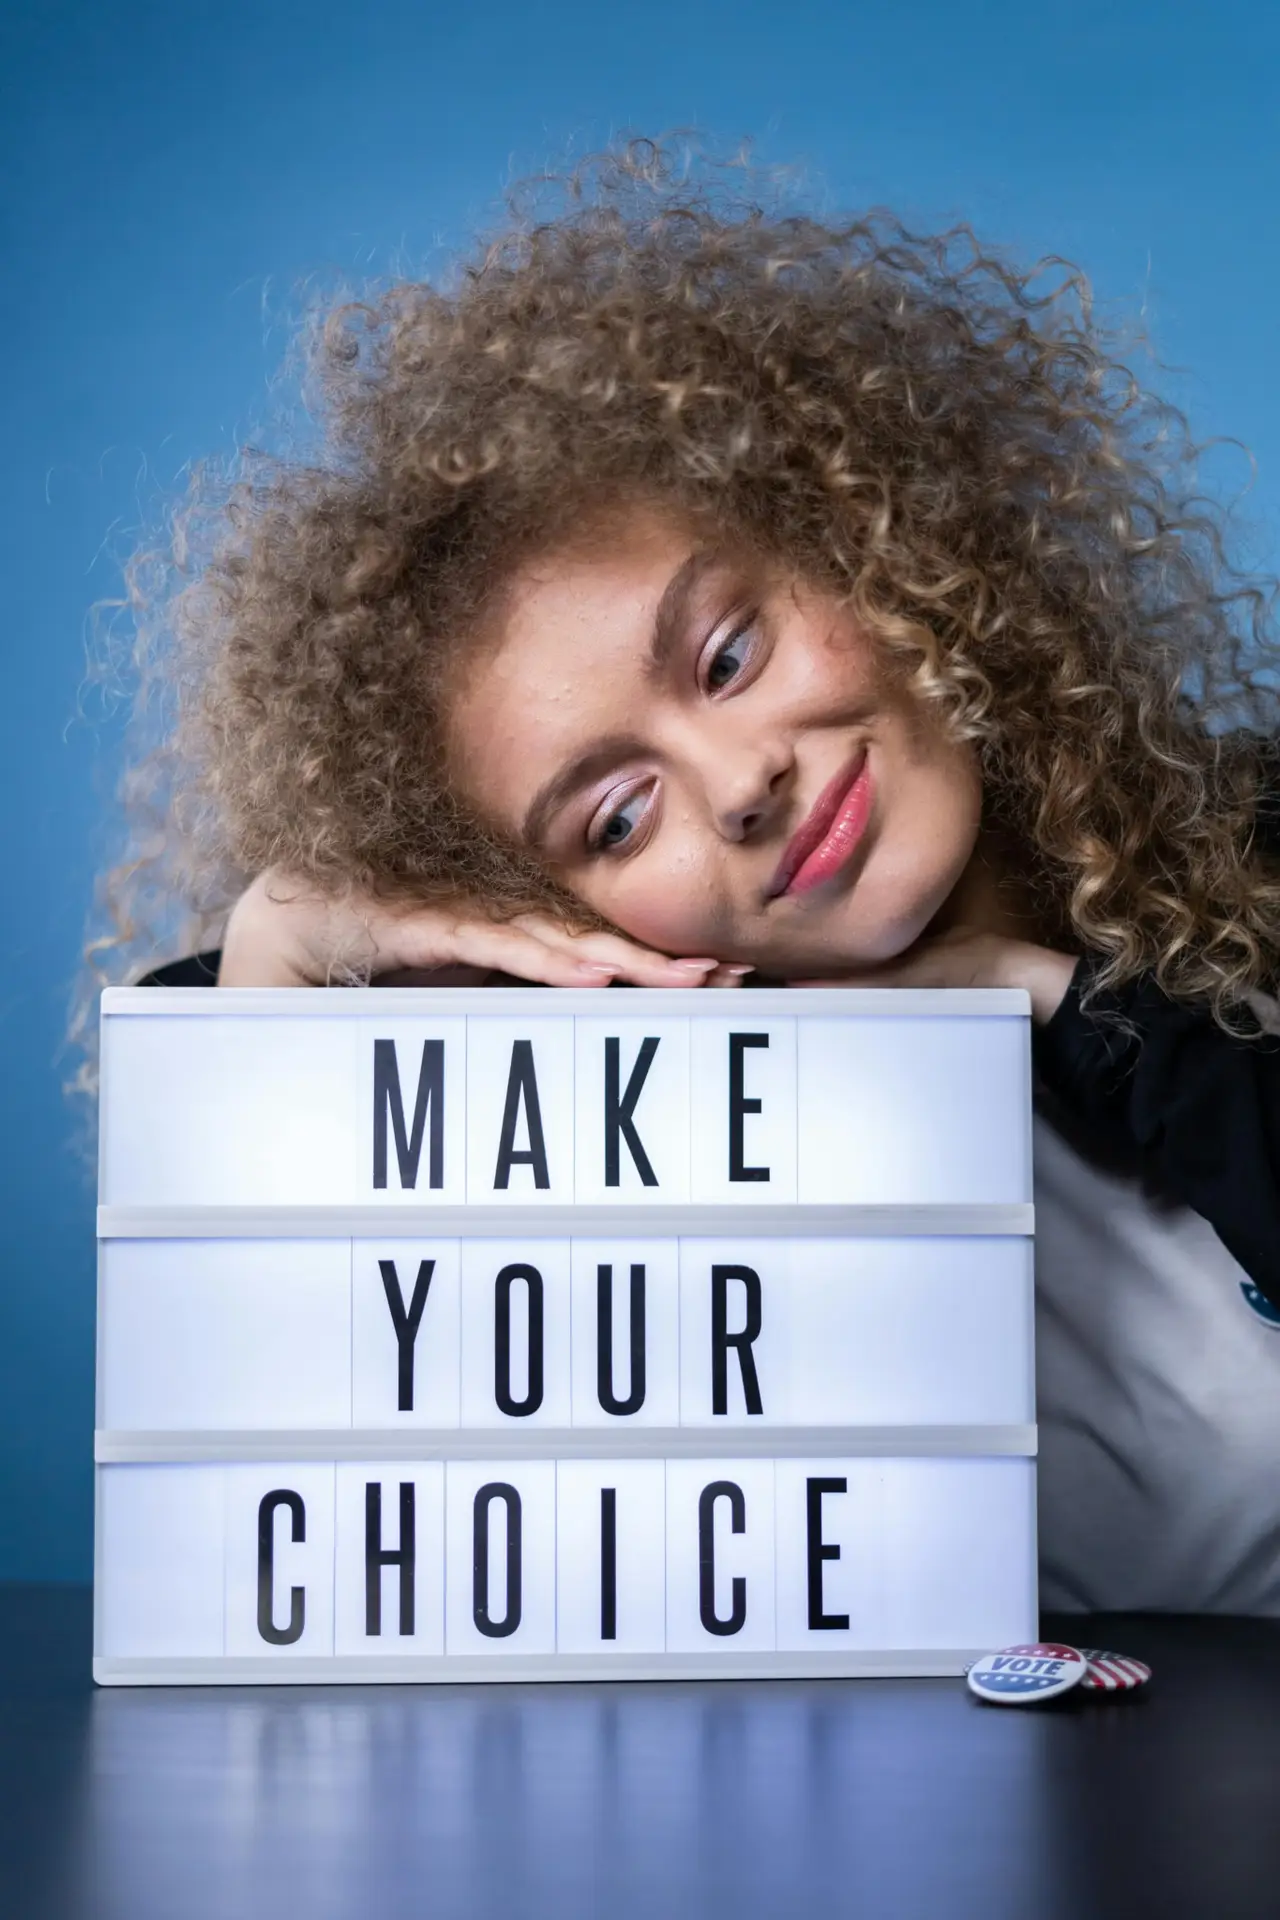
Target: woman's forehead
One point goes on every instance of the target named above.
(632, 539)
(618, 571)
(575, 637)
(599, 598)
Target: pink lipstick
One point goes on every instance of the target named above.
(827, 838)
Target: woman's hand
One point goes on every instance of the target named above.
(966, 957)
(283, 933)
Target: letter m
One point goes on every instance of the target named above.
(387, 1099)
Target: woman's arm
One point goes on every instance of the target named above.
(284, 931)
(1168, 1087)
(202, 970)
(1201, 1107)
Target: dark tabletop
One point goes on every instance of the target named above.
(875, 1798)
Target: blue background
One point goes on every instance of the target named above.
(172, 176)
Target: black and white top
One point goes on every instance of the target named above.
(1157, 1191)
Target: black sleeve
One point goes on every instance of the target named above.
(1199, 1108)
(201, 970)
(197, 970)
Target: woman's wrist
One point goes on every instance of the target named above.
(1040, 972)
(244, 966)
(250, 956)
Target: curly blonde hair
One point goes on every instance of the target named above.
(910, 420)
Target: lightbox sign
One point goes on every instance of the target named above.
(527, 1334)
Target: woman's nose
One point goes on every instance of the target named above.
(748, 790)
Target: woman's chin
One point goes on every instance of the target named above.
(845, 951)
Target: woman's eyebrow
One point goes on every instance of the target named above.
(672, 616)
(586, 766)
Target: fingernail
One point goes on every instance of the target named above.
(695, 966)
(739, 970)
(595, 967)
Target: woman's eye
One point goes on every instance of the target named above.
(622, 823)
(728, 661)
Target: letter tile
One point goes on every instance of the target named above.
(520, 1111)
(500, 1556)
(906, 1110)
(515, 1333)
(159, 1591)
(631, 1111)
(610, 1556)
(389, 1596)
(720, 1556)
(279, 1530)
(412, 1108)
(209, 1335)
(743, 1129)
(405, 1333)
(734, 1303)
(626, 1364)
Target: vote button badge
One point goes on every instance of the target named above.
(1022, 1676)
(1113, 1672)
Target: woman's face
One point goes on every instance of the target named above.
(704, 751)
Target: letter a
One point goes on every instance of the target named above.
(522, 1084)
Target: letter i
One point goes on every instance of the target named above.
(608, 1563)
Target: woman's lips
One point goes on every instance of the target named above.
(824, 841)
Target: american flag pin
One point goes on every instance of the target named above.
(1113, 1672)
(1023, 1676)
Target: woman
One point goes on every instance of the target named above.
(692, 595)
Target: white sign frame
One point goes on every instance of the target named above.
(465, 1212)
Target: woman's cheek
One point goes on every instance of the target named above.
(670, 910)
